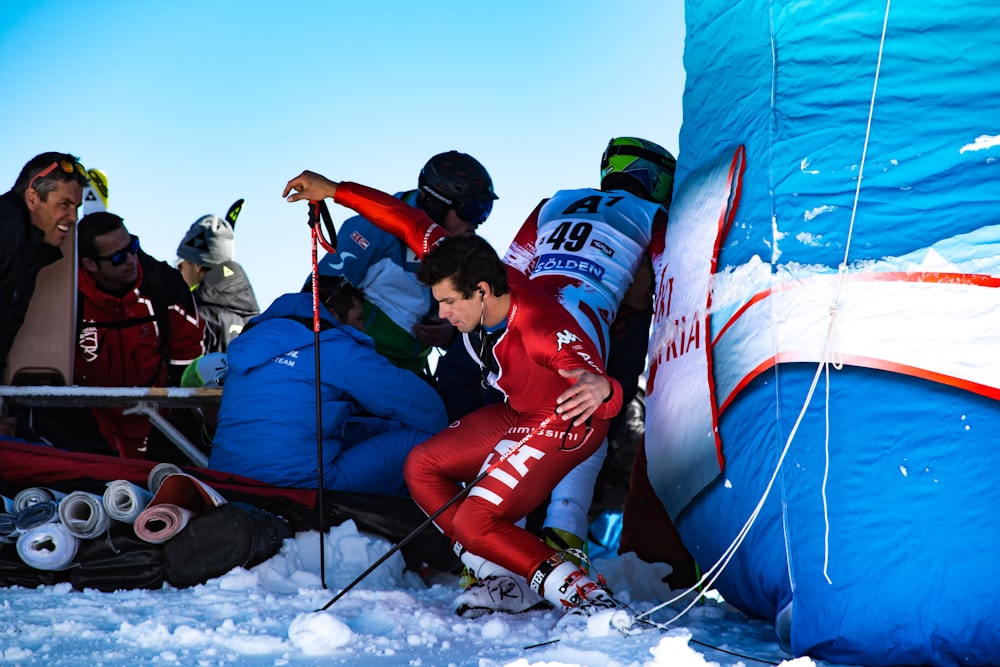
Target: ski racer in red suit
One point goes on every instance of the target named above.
(558, 403)
(586, 247)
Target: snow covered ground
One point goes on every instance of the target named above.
(266, 616)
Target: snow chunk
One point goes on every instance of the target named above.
(15, 653)
(238, 579)
(319, 634)
(673, 650)
(495, 628)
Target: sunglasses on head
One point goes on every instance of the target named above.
(473, 212)
(344, 282)
(119, 257)
(69, 166)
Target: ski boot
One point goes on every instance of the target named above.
(573, 548)
(490, 587)
(503, 592)
(565, 585)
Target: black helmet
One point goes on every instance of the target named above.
(455, 181)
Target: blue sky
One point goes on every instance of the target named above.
(188, 106)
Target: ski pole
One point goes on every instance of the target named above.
(430, 519)
(317, 211)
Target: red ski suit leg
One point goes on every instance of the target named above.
(483, 521)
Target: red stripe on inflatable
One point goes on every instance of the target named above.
(755, 299)
(747, 379)
(978, 279)
(865, 362)
(924, 374)
(736, 170)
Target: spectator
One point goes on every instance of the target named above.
(36, 215)
(225, 298)
(456, 192)
(373, 412)
(559, 401)
(137, 327)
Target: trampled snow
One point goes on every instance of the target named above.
(267, 616)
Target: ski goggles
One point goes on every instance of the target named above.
(119, 257)
(473, 212)
(69, 166)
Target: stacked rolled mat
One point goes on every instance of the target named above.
(47, 526)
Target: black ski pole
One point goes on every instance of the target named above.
(430, 519)
(318, 211)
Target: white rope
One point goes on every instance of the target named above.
(832, 349)
(868, 129)
(826, 479)
(710, 575)
(830, 357)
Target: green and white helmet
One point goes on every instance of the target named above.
(640, 167)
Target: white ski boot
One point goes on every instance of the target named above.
(489, 587)
(565, 585)
(504, 592)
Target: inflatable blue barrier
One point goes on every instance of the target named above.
(824, 379)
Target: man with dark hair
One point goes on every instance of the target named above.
(36, 215)
(456, 192)
(558, 403)
(137, 325)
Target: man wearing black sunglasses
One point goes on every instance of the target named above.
(35, 217)
(456, 192)
(137, 326)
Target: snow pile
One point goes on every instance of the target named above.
(267, 616)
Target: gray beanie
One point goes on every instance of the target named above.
(208, 242)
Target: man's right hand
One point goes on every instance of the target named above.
(435, 331)
(309, 185)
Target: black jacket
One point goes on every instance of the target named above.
(226, 302)
(22, 256)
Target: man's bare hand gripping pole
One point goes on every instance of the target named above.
(311, 186)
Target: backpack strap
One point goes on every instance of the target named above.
(154, 290)
(153, 284)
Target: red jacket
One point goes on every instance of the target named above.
(121, 343)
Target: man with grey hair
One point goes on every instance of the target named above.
(36, 215)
